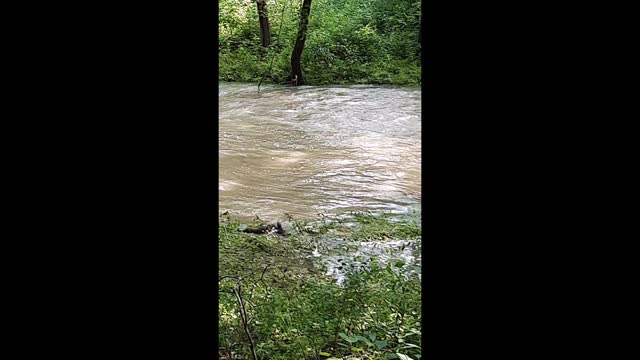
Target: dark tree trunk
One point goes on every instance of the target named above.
(297, 78)
(263, 16)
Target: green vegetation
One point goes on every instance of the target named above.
(292, 310)
(348, 42)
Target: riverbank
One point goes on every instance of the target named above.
(245, 66)
(294, 308)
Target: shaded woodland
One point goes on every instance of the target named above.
(320, 42)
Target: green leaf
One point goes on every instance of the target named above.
(363, 339)
(346, 338)
(400, 263)
(322, 353)
(380, 344)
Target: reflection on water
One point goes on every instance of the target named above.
(310, 150)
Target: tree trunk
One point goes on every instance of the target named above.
(263, 16)
(297, 78)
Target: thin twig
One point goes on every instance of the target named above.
(263, 271)
(284, 7)
(255, 284)
(245, 324)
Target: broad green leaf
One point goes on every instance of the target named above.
(380, 344)
(346, 338)
(322, 353)
(363, 339)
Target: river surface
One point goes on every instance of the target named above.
(308, 150)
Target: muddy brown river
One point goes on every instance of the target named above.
(309, 150)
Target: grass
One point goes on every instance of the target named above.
(295, 312)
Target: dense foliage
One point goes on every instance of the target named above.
(348, 41)
(294, 311)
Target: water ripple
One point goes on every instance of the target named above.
(318, 149)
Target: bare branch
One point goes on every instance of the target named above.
(245, 323)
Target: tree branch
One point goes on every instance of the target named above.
(245, 323)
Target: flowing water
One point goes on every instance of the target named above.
(309, 150)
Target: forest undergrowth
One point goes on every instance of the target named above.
(276, 301)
